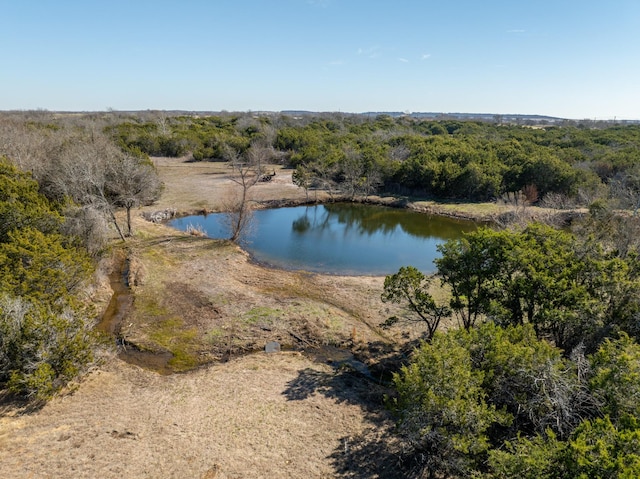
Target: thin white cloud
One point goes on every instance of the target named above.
(371, 52)
(516, 31)
(337, 63)
(425, 56)
(403, 60)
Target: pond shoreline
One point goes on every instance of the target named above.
(484, 213)
(343, 238)
(451, 210)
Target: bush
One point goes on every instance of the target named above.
(21, 204)
(597, 448)
(41, 350)
(443, 414)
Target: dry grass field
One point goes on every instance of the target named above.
(258, 416)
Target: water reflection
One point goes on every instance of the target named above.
(369, 220)
(301, 224)
(341, 238)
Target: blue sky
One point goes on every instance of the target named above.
(567, 58)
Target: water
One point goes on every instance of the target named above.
(340, 238)
(117, 311)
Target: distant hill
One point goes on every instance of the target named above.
(510, 118)
(441, 115)
(498, 118)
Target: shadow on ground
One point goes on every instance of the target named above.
(377, 451)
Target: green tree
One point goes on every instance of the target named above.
(542, 457)
(45, 335)
(596, 449)
(490, 394)
(410, 288)
(40, 266)
(470, 266)
(569, 289)
(531, 380)
(599, 448)
(552, 286)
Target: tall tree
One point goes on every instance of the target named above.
(95, 174)
(469, 265)
(570, 290)
(81, 173)
(247, 168)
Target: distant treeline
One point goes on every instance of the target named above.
(448, 159)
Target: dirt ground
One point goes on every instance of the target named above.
(278, 415)
(311, 410)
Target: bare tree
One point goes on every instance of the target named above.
(518, 214)
(72, 159)
(88, 224)
(53, 156)
(247, 170)
(625, 188)
(79, 174)
(131, 182)
(238, 213)
(28, 148)
(400, 153)
(162, 121)
(323, 174)
(97, 175)
(372, 181)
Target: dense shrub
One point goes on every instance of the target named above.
(45, 336)
(570, 289)
(41, 348)
(500, 403)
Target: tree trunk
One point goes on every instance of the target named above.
(115, 223)
(129, 231)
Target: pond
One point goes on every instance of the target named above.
(339, 238)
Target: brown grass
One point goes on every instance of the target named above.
(258, 416)
(203, 186)
(206, 299)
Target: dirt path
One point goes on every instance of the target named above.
(257, 415)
